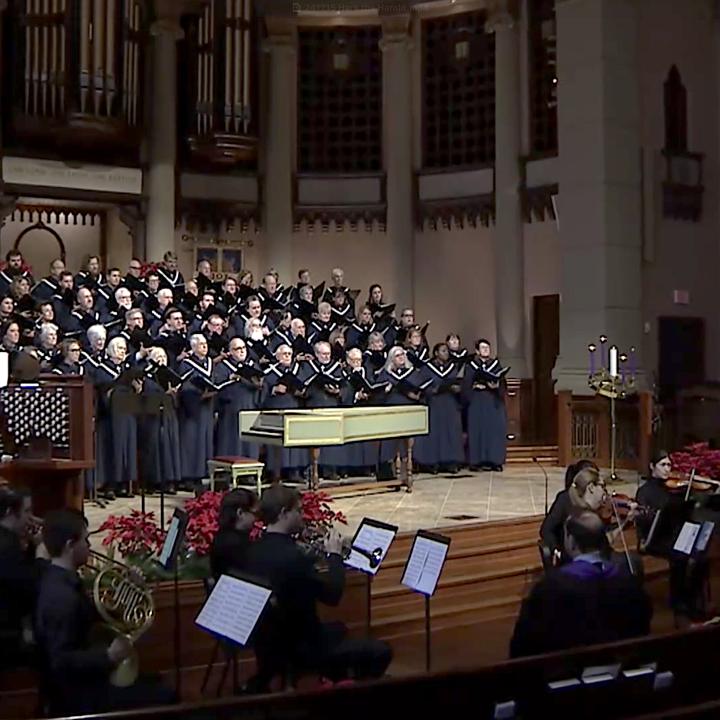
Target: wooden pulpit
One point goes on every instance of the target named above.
(47, 428)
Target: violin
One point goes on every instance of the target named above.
(678, 483)
(616, 508)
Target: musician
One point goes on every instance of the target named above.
(441, 449)
(77, 674)
(19, 575)
(587, 601)
(552, 530)
(688, 576)
(291, 632)
(230, 545)
(282, 389)
(486, 419)
(237, 393)
(196, 412)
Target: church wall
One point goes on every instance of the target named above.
(119, 242)
(680, 255)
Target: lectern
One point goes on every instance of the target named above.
(47, 427)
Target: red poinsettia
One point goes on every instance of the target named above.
(148, 267)
(23, 268)
(700, 457)
(134, 535)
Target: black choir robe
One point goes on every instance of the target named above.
(486, 418)
(235, 394)
(360, 457)
(357, 335)
(196, 419)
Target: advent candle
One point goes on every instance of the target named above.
(591, 350)
(633, 362)
(613, 361)
(603, 345)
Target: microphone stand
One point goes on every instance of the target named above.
(539, 464)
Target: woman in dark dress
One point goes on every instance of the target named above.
(688, 576)
(486, 419)
(552, 530)
(230, 545)
(441, 449)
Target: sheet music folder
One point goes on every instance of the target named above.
(233, 608)
(425, 562)
(371, 535)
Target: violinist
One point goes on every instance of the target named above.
(688, 576)
(232, 541)
(553, 526)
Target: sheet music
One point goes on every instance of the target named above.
(170, 539)
(686, 538)
(424, 565)
(703, 538)
(233, 608)
(369, 537)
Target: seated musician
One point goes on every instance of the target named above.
(294, 633)
(77, 674)
(19, 574)
(230, 545)
(553, 526)
(688, 576)
(587, 601)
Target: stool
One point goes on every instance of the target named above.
(237, 467)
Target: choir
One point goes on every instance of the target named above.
(174, 361)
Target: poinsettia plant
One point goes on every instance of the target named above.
(700, 457)
(137, 537)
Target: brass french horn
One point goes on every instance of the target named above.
(125, 605)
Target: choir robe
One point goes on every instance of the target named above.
(66, 368)
(45, 289)
(235, 395)
(115, 430)
(259, 352)
(443, 445)
(331, 457)
(172, 280)
(160, 446)
(320, 330)
(196, 419)
(359, 456)
(292, 460)
(389, 448)
(486, 419)
(357, 334)
(91, 361)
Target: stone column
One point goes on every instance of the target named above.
(165, 32)
(599, 176)
(396, 47)
(508, 247)
(280, 47)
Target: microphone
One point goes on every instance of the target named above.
(539, 464)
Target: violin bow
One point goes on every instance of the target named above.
(622, 536)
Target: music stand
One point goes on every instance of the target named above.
(168, 559)
(422, 572)
(369, 546)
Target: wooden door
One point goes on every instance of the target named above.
(546, 346)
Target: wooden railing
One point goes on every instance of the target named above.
(584, 430)
(682, 669)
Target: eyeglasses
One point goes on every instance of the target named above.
(73, 349)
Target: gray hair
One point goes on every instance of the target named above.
(45, 328)
(95, 332)
(113, 345)
(322, 344)
(373, 336)
(394, 351)
(131, 312)
(282, 348)
(247, 325)
(195, 339)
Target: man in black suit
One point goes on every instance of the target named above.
(587, 601)
(290, 635)
(18, 578)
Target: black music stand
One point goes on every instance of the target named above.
(422, 572)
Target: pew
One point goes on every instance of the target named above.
(682, 675)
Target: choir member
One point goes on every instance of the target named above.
(300, 345)
(76, 671)
(214, 332)
(106, 292)
(323, 325)
(160, 449)
(47, 346)
(246, 285)
(205, 307)
(84, 315)
(91, 276)
(96, 341)
(360, 457)
(442, 448)
(324, 379)
(458, 354)
(69, 363)
(20, 293)
(133, 280)
(415, 347)
(254, 311)
(688, 576)
(196, 411)
(158, 315)
(13, 269)
(292, 628)
(587, 601)
(375, 356)
(231, 543)
(486, 419)
(237, 392)
(190, 299)
(48, 286)
(64, 299)
(171, 337)
(204, 276)
(257, 343)
(7, 309)
(282, 333)
(229, 299)
(170, 276)
(337, 282)
(359, 331)
(342, 308)
(116, 427)
(282, 390)
(269, 293)
(19, 575)
(10, 337)
(146, 299)
(303, 306)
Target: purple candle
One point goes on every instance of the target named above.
(591, 350)
(604, 359)
(633, 362)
